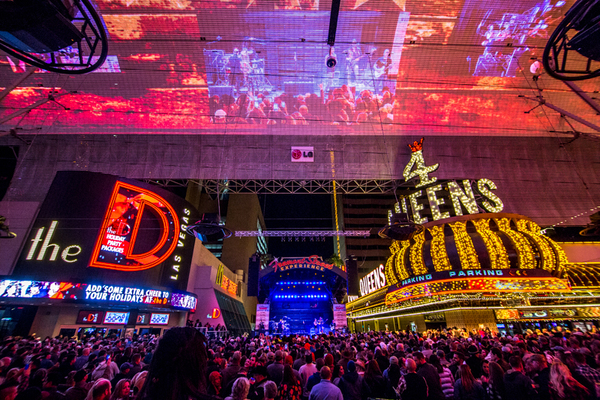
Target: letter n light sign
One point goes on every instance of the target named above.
(121, 229)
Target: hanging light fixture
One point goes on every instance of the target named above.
(209, 229)
(400, 228)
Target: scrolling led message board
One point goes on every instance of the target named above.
(100, 228)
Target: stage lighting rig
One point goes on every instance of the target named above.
(578, 32)
(62, 36)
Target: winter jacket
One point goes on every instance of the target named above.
(447, 383)
(518, 386)
(351, 385)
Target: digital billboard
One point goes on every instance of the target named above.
(85, 292)
(191, 66)
(159, 319)
(100, 228)
(116, 318)
(90, 317)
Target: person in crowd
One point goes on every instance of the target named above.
(233, 368)
(416, 386)
(80, 389)
(351, 384)
(584, 369)
(446, 378)
(290, 388)
(539, 372)
(177, 370)
(494, 386)
(375, 383)
(257, 389)
(270, 390)
(123, 373)
(240, 390)
(214, 383)
(275, 370)
(431, 376)
(121, 390)
(563, 386)
(517, 385)
(325, 390)
(316, 377)
(100, 390)
(306, 371)
(466, 387)
(338, 371)
(496, 356)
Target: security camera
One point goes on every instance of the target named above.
(331, 62)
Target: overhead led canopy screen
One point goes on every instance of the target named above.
(189, 66)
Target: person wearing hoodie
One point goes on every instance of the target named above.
(517, 385)
(351, 383)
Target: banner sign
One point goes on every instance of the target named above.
(262, 316)
(68, 291)
(339, 315)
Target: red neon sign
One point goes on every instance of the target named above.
(120, 230)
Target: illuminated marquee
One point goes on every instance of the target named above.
(312, 262)
(476, 281)
(11, 288)
(225, 283)
(373, 281)
(446, 200)
(115, 245)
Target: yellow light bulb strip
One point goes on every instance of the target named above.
(531, 230)
(399, 265)
(390, 275)
(464, 245)
(493, 244)
(439, 255)
(524, 251)
(416, 255)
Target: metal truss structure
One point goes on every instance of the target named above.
(304, 233)
(287, 186)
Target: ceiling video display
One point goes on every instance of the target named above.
(247, 66)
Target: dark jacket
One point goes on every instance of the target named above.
(477, 393)
(375, 387)
(351, 386)
(432, 377)
(416, 387)
(476, 366)
(542, 382)
(518, 386)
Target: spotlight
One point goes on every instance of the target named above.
(331, 62)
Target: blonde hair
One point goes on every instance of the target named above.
(561, 378)
(240, 389)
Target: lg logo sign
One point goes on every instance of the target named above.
(303, 154)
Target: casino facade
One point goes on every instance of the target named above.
(465, 268)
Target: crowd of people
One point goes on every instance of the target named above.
(341, 106)
(184, 365)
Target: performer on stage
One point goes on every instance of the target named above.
(353, 58)
(235, 68)
(381, 71)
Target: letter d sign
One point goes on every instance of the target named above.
(114, 248)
